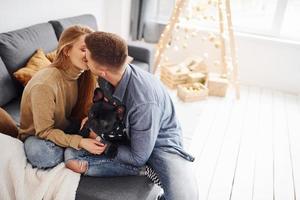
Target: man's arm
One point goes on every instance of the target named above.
(144, 125)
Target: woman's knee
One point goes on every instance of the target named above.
(71, 153)
(43, 154)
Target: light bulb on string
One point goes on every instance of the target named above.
(186, 30)
(217, 44)
(194, 33)
(216, 63)
(211, 37)
(166, 59)
(176, 48)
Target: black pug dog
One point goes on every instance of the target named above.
(105, 118)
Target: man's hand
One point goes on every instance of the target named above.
(93, 146)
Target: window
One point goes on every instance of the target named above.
(291, 23)
(276, 18)
(164, 10)
(253, 15)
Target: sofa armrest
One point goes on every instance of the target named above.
(141, 51)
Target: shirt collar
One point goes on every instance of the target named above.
(121, 87)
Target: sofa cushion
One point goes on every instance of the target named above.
(141, 65)
(13, 108)
(7, 87)
(18, 46)
(117, 188)
(35, 63)
(7, 124)
(60, 25)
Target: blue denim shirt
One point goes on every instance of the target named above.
(150, 117)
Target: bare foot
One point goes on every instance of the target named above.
(78, 166)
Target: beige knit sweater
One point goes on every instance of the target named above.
(47, 103)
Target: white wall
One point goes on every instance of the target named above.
(118, 17)
(269, 63)
(112, 16)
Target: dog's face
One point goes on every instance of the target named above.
(103, 116)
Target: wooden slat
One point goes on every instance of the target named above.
(222, 181)
(263, 180)
(283, 180)
(244, 173)
(293, 117)
(211, 150)
(204, 125)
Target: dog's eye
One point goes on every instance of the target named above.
(93, 115)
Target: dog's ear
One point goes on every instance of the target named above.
(120, 111)
(98, 95)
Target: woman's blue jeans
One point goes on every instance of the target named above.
(101, 166)
(45, 154)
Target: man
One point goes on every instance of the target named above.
(153, 128)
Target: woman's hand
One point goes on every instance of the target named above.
(93, 146)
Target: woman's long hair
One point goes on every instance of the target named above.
(86, 81)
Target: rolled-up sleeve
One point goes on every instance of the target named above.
(42, 100)
(144, 124)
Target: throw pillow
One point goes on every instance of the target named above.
(7, 124)
(51, 56)
(35, 63)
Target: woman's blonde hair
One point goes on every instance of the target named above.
(86, 81)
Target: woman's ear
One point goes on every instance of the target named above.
(66, 51)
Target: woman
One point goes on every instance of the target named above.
(55, 95)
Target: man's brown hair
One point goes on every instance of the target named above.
(107, 49)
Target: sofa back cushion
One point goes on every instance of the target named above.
(60, 25)
(18, 46)
(7, 87)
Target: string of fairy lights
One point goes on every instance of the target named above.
(186, 22)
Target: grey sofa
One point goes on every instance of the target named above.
(16, 47)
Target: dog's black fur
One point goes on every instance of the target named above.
(105, 118)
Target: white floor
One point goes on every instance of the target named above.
(247, 148)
